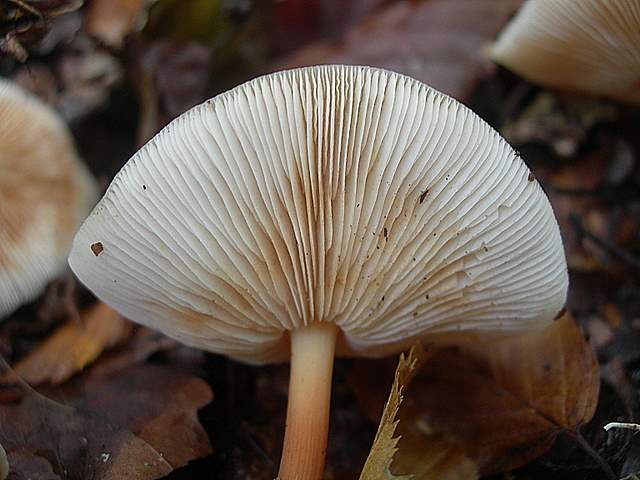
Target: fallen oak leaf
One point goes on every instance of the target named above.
(520, 392)
(73, 346)
(68, 443)
(502, 399)
(165, 419)
(138, 424)
(27, 466)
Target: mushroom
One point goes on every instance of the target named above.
(45, 192)
(325, 209)
(590, 46)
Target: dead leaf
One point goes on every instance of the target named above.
(73, 346)
(501, 399)
(28, 466)
(437, 458)
(111, 21)
(432, 458)
(378, 464)
(440, 42)
(9, 44)
(24, 23)
(140, 424)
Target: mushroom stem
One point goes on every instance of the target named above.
(307, 428)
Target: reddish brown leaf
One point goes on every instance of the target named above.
(73, 346)
(27, 466)
(502, 399)
(139, 423)
(440, 42)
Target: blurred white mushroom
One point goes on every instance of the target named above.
(45, 191)
(321, 209)
(4, 464)
(590, 46)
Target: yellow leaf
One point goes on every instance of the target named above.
(73, 346)
(378, 464)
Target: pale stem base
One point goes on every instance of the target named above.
(305, 438)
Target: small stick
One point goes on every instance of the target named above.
(626, 426)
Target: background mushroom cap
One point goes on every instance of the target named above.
(339, 194)
(591, 46)
(45, 192)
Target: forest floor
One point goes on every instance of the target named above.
(118, 71)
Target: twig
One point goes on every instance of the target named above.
(595, 456)
(28, 8)
(626, 426)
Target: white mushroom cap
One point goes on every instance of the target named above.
(45, 192)
(339, 194)
(592, 46)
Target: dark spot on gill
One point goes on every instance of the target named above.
(97, 248)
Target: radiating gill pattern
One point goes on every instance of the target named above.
(338, 194)
(588, 45)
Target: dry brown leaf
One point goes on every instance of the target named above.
(111, 21)
(440, 42)
(519, 393)
(23, 23)
(73, 346)
(501, 399)
(378, 464)
(437, 458)
(140, 423)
